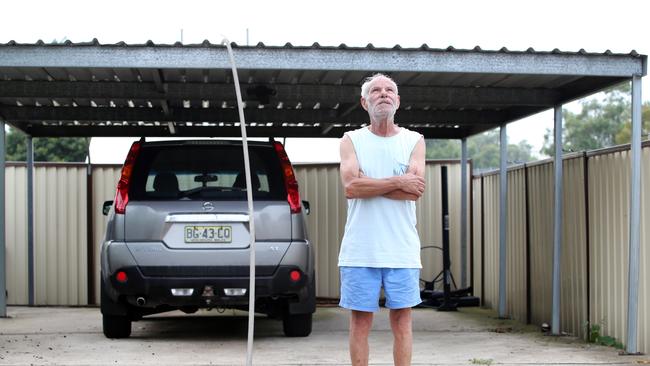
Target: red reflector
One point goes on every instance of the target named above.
(295, 276)
(290, 182)
(122, 194)
(121, 277)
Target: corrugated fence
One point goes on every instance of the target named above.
(594, 242)
(62, 273)
(594, 247)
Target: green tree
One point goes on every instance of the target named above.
(483, 149)
(67, 149)
(600, 123)
(624, 136)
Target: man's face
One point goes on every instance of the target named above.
(382, 101)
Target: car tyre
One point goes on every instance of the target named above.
(116, 326)
(115, 320)
(297, 325)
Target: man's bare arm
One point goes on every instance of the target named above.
(416, 167)
(357, 185)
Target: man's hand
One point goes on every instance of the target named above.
(412, 183)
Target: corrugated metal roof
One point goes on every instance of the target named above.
(316, 45)
(75, 89)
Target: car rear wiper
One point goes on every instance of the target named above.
(200, 190)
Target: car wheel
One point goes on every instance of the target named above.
(116, 326)
(297, 325)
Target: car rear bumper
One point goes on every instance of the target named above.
(207, 291)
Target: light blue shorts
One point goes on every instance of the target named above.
(361, 286)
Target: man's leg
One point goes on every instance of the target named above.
(360, 324)
(401, 324)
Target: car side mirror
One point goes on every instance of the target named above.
(106, 208)
(305, 204)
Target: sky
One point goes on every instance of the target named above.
(594, 25)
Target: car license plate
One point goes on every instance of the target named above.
(208, 234)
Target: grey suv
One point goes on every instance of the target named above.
(178, 235)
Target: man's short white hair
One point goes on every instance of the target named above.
(367, 81)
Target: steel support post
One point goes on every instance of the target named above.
(503, 218)
(635, 212)
(3, 266)
(30, 218)
(447, 303)
(557, 221)
(463, 213)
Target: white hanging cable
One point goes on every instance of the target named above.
(249, 195)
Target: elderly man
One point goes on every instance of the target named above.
(382, 171)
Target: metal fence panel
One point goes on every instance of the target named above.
(477, 270)
(60, 236)
(540, 196)
(573, 272)
(320, 184)
(61, 227)
(540, 212)
(609, 183)
(60, 241)
(429, 217)
(516, 243)
(644, 274)
(491, 260)
(453, 184)
(16, 235)
(104, 183)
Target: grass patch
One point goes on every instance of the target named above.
(594, 336)
(481, 361)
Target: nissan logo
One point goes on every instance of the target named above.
(207, 206)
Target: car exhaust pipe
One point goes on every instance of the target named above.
(141, 301)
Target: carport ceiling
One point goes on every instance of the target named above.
(92, 89)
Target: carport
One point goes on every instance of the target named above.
(90, 89)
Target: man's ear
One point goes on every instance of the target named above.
(364, 103)
(398, 103)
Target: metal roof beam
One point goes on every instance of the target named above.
(483, 97)
(252, 115)
(160, 88)
(214, 131)
(324, 59)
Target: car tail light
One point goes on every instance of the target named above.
(290, 182)
(121, 277)
(122, 194)
(295, 275)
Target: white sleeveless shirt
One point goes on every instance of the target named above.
(380, 232)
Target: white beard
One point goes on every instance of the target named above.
(380, 114)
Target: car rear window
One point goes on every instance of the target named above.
(199, 172)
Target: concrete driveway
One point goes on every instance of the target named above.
(73, 336)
